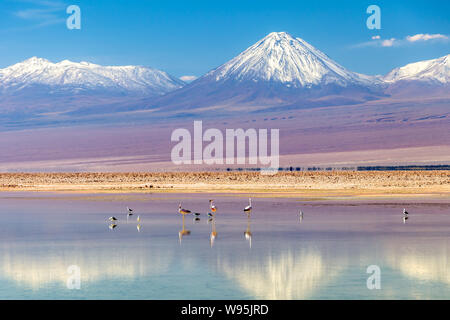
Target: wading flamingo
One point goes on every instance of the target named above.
(212, 206)
(183, 211)
(249, 207)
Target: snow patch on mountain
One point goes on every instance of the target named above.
(74, 76)
(434, 70)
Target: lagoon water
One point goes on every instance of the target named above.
(273, 255)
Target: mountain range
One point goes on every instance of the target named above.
(279, 72)
(71, 77)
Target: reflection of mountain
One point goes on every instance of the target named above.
(431, 263)
(29, 266)
(291, 274)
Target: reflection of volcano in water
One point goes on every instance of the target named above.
(430, 263)
(291, 274)
(31, 267)
(324, 257)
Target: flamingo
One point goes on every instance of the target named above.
(183, 211)
(212, 206)
(112, 219)
(405, 212)
(249, 207)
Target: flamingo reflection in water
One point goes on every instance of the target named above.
(213, 232)
(112, 226)
(248, 234)
(183, 232)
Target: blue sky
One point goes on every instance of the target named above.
(192, 37)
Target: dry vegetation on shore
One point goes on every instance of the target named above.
(312, 183)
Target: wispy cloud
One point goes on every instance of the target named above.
(426, 37)
(41, 13)
(188, 78)
(388, 42)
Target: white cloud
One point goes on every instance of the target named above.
(42, 13)
(388, 42)
(426, 37)
(376, 40)
(188, 78)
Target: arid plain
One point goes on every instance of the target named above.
(312, 185)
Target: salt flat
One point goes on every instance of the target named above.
(329, 184)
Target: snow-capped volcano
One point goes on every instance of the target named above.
(435, 70)
(279, 57)
(278, 70)
(75, 77)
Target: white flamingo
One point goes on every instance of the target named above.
(249, 207)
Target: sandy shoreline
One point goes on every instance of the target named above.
(334, 184)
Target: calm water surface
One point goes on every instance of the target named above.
(273, 255)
